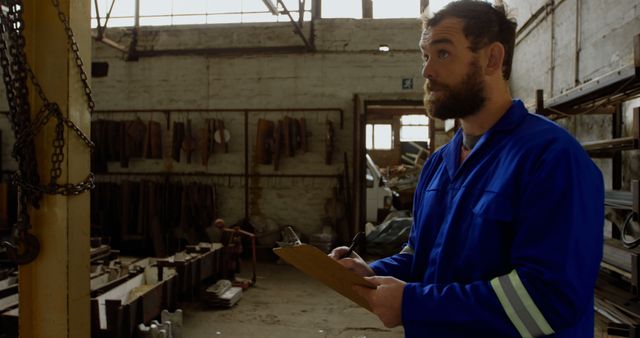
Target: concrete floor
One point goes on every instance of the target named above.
(285, 303)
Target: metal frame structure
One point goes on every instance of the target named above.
(101, 29)
(132, 54)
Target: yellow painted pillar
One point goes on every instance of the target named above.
(54, 289)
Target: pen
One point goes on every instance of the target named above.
(354, 242)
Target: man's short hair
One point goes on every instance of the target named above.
(484, 24)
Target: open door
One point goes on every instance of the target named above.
(392, 132)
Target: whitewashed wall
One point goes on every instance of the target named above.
(577, 42)
(347, 62)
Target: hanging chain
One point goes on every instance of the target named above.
(16, 71)
(76, 54)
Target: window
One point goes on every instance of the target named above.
(190, 12)
(414, 128)
(379, 137)
(384, 9)
(342, 9)
(179, 12)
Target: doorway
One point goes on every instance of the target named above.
(393, 139)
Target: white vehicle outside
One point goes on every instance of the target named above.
(379, 195)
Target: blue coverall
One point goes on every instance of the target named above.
(509, 243)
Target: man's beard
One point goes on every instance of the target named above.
(461, 100)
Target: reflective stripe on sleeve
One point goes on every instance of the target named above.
(407, 249)
(520, 308)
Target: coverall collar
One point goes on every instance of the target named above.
(511, 119)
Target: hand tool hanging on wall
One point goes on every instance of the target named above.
(263, 141)
(222, 136)
(286, 133)
(178, 137)
(24, 247)
(188, 145)
(295, 136)
(154, 140)
(304, 135)
(277, 145)
(212, 126)
(203, 144)
(135, 132)
(329, 143)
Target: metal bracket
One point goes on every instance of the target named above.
(100, 35)
(296, 26)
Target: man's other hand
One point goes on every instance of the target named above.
(385, 300)
(354, 262)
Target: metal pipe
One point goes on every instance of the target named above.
(552, 61)
(316, 10)
(246, 164)
(301, 4)
(540, 101)
(106, 19)
(95, 3)
(297, 28)
(168, 173)
(132, 54)
(224, 51)
(110, 43)
(312, 32)
(578, 45)
(248, 51)
(220, 110)
(367, 9)
(525, 30)
(213, 110)
(204, 174)
(616, 161)
(137, 14)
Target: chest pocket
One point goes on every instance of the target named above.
(488, 236)
(493, 205)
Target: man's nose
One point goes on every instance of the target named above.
(427, 70)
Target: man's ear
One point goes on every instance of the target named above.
(495, 57)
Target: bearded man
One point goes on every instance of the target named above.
(508, 216)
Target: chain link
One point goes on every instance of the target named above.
(16, 73)
(76, 54)
(15, 76)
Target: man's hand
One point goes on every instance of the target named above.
(385, 300)
(354, 262)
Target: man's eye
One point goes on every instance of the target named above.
(443, 54)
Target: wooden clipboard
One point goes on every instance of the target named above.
(318, 265)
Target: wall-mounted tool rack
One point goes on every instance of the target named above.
(248, 114)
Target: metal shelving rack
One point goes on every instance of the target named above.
(617, 291)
